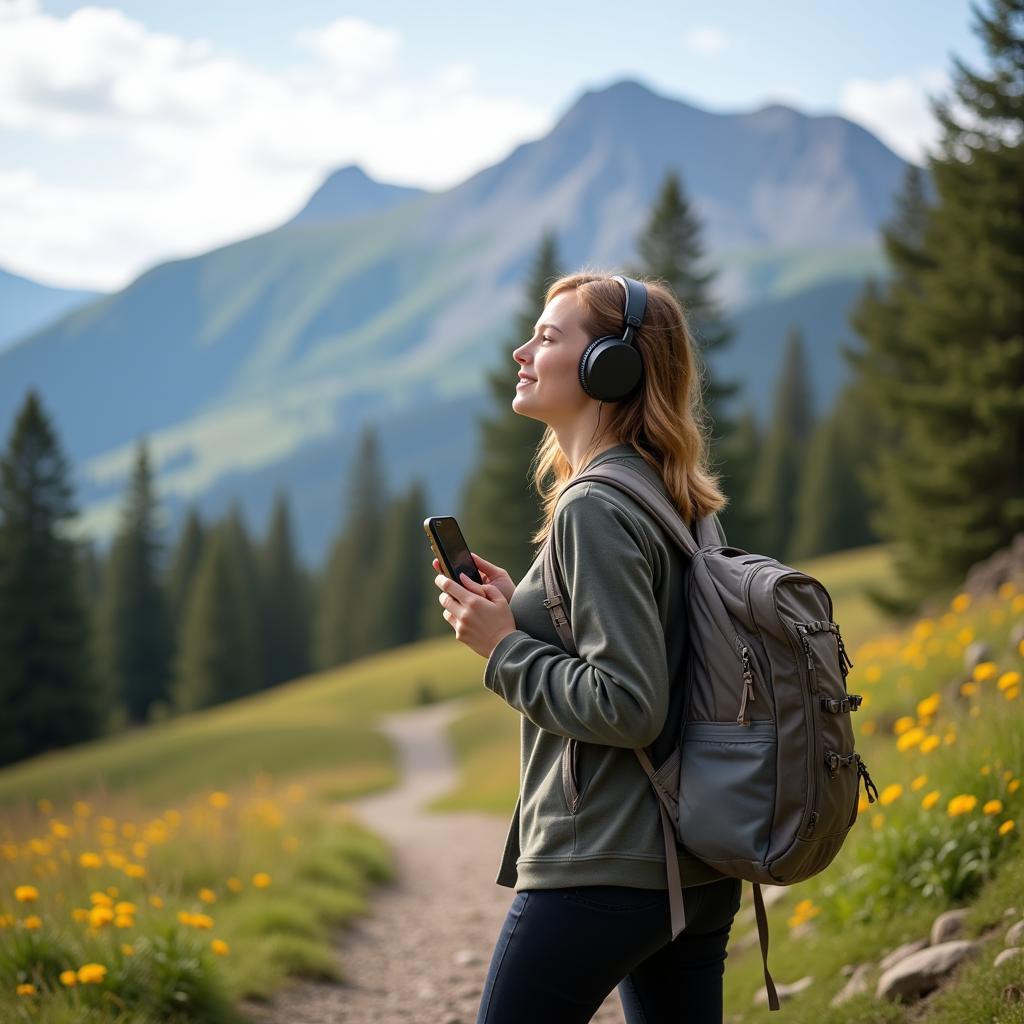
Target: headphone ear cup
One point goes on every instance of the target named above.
(610, 369)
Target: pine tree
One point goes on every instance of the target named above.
(778, 472)
(347, 615)
(670, 248)
(136, 636)
(741, 452)
(944, 353)
(49, 694)
(183, 565)
(406, 573)
(832, 508)
(248, 599)
(286, 613)
(215, 661)
(500, 509)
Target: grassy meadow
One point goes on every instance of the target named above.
(169, 872)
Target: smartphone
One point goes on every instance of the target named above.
(450, 547)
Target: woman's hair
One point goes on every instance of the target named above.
(664, 419)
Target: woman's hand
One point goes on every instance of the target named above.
(480, 615)
(490, 573)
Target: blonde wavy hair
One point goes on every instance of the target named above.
(665, 419)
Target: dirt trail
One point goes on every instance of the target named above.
(422, 952)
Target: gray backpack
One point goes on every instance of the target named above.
(763, 782)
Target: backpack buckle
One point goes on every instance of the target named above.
(841, 705)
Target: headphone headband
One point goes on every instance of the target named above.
(636, 305)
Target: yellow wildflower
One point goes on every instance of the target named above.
(1013, 785)
(929, 800)
(90, 860)
(156, 901)
(993, 806)
(202, 921)
(862, 804)
(927, 707)
(1008, 679)
(220, 947)
(901, 725)
(890, 793)
(82, 808)
(960, 603)
(101, 899)
(1007, 826)
(1011, 693)
(929, 743)
(261, 880)
(918, 782)
(877, 821)
(207, 895)
(26, 893)
(963, 803)
(91, 974)
(184, 917)
(985, 670)
(59, 829)
(127, 949)
(26, 989)
(219, 799)
(68, 978)
(33, 923)
(124, 921)
(100, 915)
(910, 738)
(234, 884)
(872, 674)
(969, 689)
(124, 907)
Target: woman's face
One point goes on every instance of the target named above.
(551, 359)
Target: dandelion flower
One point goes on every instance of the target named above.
(1007, 826)
(993, 807)
(26, 989)
(90, 860)
(902, 724)
(927, 707)
(963, 803)
(890, 793)
(220, 947)
(918, 782)
(202, 921)
(910, 738)
(1008, 679)
(234, 884)
(261, 880)
(68, 978)
(91, 974)
(219, 800)
(33, 923)
(985, 670)
(960, 603)
(127, 949)
(207, 895)
(929, 800)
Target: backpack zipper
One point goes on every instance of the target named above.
(748, 687)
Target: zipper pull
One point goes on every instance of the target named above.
(747, 674)
(807, 650)
(842, 652)
(748, 690)
(862, 771)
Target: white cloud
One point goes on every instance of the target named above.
(897, 109)
(213, 148)
(705, 39)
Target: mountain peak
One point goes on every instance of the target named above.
(350, 192)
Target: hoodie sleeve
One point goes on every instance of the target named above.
(616, 692)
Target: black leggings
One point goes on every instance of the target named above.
(561, 951)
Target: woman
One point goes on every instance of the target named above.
(585, 851)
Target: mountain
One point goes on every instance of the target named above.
(349, 192)
(261, 360)
(26, 305)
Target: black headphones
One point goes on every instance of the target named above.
(611, 367)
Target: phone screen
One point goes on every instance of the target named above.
(455, 549)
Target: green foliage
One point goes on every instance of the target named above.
(48, 688)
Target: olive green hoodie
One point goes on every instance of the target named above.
(587, 813)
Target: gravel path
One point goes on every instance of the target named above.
(423, 951)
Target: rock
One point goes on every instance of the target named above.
(847, 969)
(921, 972)
(783, 991)
(1008, 954)
(857, 984)
(1015, 934)
(893, 958)
(465, 956)
(1010, 912)
(947, 926)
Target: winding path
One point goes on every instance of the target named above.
(422, 952)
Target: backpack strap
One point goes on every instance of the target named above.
(664, 779)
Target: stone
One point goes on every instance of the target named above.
(893, 958)
(947, 925)
(783, 991)
(921, 972)
(466, 956)
(1015, 934)
(1008, 954)
(857, 984)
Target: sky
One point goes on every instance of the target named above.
(136, 132)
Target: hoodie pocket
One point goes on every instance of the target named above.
(570, 774)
